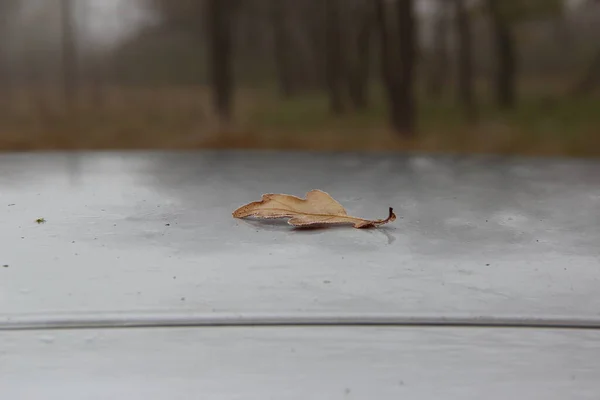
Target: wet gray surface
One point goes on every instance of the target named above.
(153, 231)
(300, 363)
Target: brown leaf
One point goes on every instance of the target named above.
(319, 208)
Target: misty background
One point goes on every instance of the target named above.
(503, 76)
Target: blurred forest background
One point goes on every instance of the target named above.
(502, 76)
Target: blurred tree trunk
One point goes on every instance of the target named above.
(220, 47)
(407, 44)
(315, 24)
(69, 53)
(358, 83)
(335, 57)
(398, 67)
(94, 69)
(591, 76)
(506, 59)
(4, 59)
(465, 59)
(5, 83)
(7, 11)
(307, 58)
(282, 43)
(438, 71)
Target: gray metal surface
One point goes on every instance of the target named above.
(300, 363)
(129, 232)
(137, 319)
(144, 244)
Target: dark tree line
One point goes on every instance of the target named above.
(343, 36)
(340, 47)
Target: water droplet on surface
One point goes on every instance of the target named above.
(47, 339)
(91, 338)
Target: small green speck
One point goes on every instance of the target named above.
(40, 221)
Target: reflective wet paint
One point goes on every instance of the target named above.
(301, 363)
(138, 231)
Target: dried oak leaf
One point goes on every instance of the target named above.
(319, 208)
